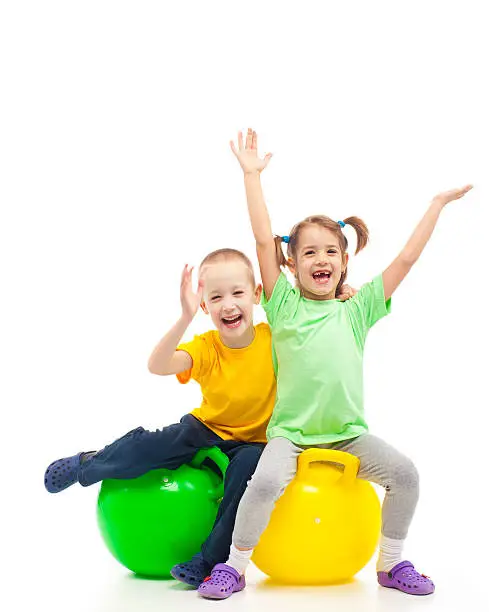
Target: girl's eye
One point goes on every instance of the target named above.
(215, 297)
(238, 293)
(332, 251)
(309, 253)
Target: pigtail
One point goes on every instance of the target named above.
(361, 231)
(341, 282)
(281, 259)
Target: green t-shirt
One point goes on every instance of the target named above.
(319, 347)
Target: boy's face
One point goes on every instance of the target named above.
(319, 263)
(229, 297)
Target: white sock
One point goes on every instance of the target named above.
(239, 559)
(389, 553)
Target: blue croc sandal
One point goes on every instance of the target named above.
(62, 473)
(193, 572)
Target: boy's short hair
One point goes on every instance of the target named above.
(227, 255)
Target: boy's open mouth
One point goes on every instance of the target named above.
(232, 322)
(321, 277)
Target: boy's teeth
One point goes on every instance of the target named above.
(232, 322)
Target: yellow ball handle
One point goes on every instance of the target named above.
(313, 455)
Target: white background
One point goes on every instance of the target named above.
(116, 171)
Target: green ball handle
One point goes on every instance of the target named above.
(220, 459)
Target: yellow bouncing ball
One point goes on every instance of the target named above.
(326, 525)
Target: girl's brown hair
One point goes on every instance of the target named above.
(333, 226)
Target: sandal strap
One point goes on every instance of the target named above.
(400, 566)
(225, 569)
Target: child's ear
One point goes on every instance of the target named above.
(204, 307)
(345, 262)
(258, 292)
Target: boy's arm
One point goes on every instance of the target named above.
(398, 269)
(165, 359)
(252, 166)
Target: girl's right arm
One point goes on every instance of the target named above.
(165, 359)
(252, 166)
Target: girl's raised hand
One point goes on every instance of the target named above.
(247, 153)
(189, 299)
(453, 194)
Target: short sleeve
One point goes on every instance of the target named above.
(198, 349)
(275, 304)
(368, 306)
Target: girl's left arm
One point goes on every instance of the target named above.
(397, 271)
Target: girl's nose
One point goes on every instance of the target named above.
(321, 257)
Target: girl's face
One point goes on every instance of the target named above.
(229, 297)
(318, 263)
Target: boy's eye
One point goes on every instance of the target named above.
(238, 293)
(309, 253)
(332, 251)
(215, 297)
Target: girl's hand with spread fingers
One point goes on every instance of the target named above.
(247, 153)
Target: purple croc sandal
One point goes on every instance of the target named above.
(404, 577)
(62, 473)
(223, 582)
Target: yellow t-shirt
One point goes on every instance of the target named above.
(238, 385)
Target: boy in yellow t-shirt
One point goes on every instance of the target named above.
(233, 365)
(234, 368)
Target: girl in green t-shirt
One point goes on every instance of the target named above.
(319, 344)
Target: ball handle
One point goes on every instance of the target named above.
(313, 455)
(220, 459)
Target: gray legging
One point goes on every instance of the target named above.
(379, 463)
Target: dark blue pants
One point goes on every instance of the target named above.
(140, 451)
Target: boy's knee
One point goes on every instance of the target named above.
(248, 458)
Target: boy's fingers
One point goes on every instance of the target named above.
(200, 289)
(233, 148)
(184, 280)
(254, 141)
(240, 140)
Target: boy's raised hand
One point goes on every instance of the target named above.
(247, 153)
(453, 194)
(189, 299)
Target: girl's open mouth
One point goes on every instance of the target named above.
(321, 277)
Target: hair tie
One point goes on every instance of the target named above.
(286, 239)
(341, 223)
